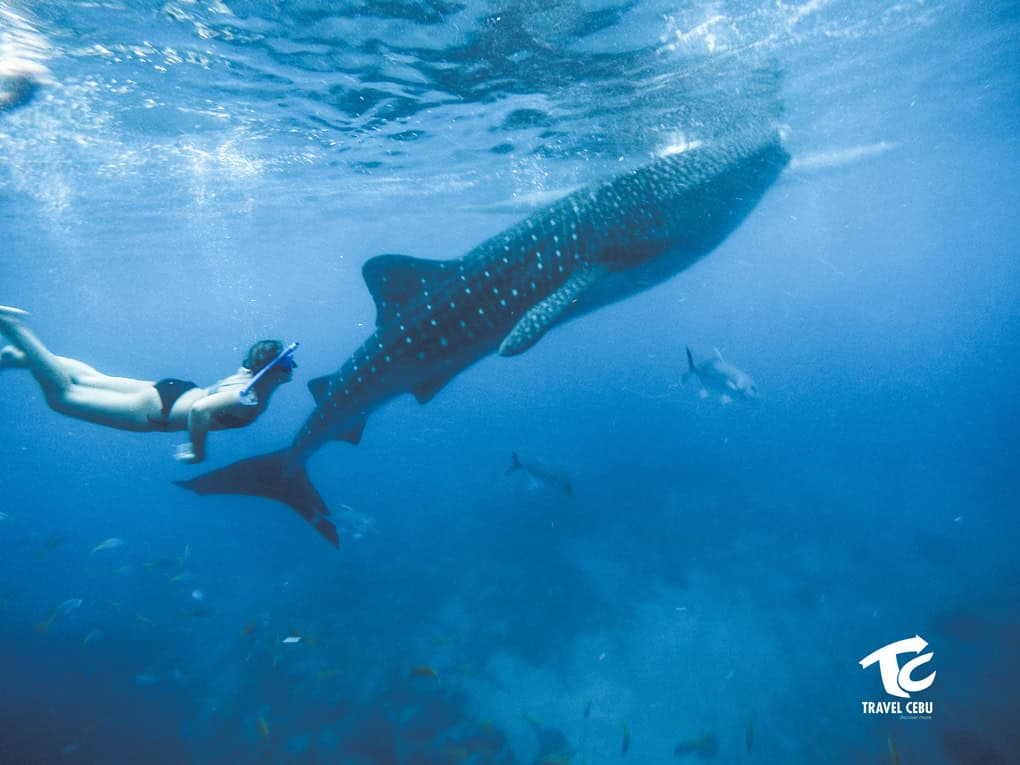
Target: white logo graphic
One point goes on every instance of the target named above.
(896, 679)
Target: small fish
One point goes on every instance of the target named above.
(4, 517)
(62, 610)
(53, 540)
(749, 734)
(357, 524)
(200, 612)
(75, 745)
(541, 476)
(292, 640)
(587, 710)
(424, 670)
(307, 638)
(107, 544)
(92, 637)
(179, 576)
(706, 747)
(894, 755)
(326, 674)
(145, 620)
(144, 680)
(263, 726)
(721, 376)
(626, 740)
(249, 629)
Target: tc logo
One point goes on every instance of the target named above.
(897, 679)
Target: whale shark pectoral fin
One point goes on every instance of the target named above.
(542, 316)
(353, 434)
(427, 390)
(396, 280)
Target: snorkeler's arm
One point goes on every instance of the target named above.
(201, 420)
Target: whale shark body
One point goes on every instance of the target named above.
(435, 318)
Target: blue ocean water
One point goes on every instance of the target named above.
(180, 179)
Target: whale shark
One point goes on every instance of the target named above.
(435, 318)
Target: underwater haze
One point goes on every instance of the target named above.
(671, 575)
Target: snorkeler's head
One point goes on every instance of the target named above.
(262, 355)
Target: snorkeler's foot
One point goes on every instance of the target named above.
(11, 358)
(8, 312)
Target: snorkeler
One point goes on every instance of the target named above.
(77, 390)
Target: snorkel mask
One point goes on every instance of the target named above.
(283, 359)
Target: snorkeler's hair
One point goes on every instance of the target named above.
(260, 354)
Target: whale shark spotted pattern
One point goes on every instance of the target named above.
(435, 318)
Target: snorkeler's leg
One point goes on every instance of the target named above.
(120, 403)
(12, 358)
(44, 366)
(79, 372)
(73, 371)
(88, 376)
(126, 410)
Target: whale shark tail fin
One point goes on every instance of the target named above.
(276, 475)
(692, 369)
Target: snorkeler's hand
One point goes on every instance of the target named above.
(185, 453)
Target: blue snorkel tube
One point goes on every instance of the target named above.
(246, 396)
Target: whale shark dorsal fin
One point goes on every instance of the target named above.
(319, 388)
(542, 316)
(395, 280)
